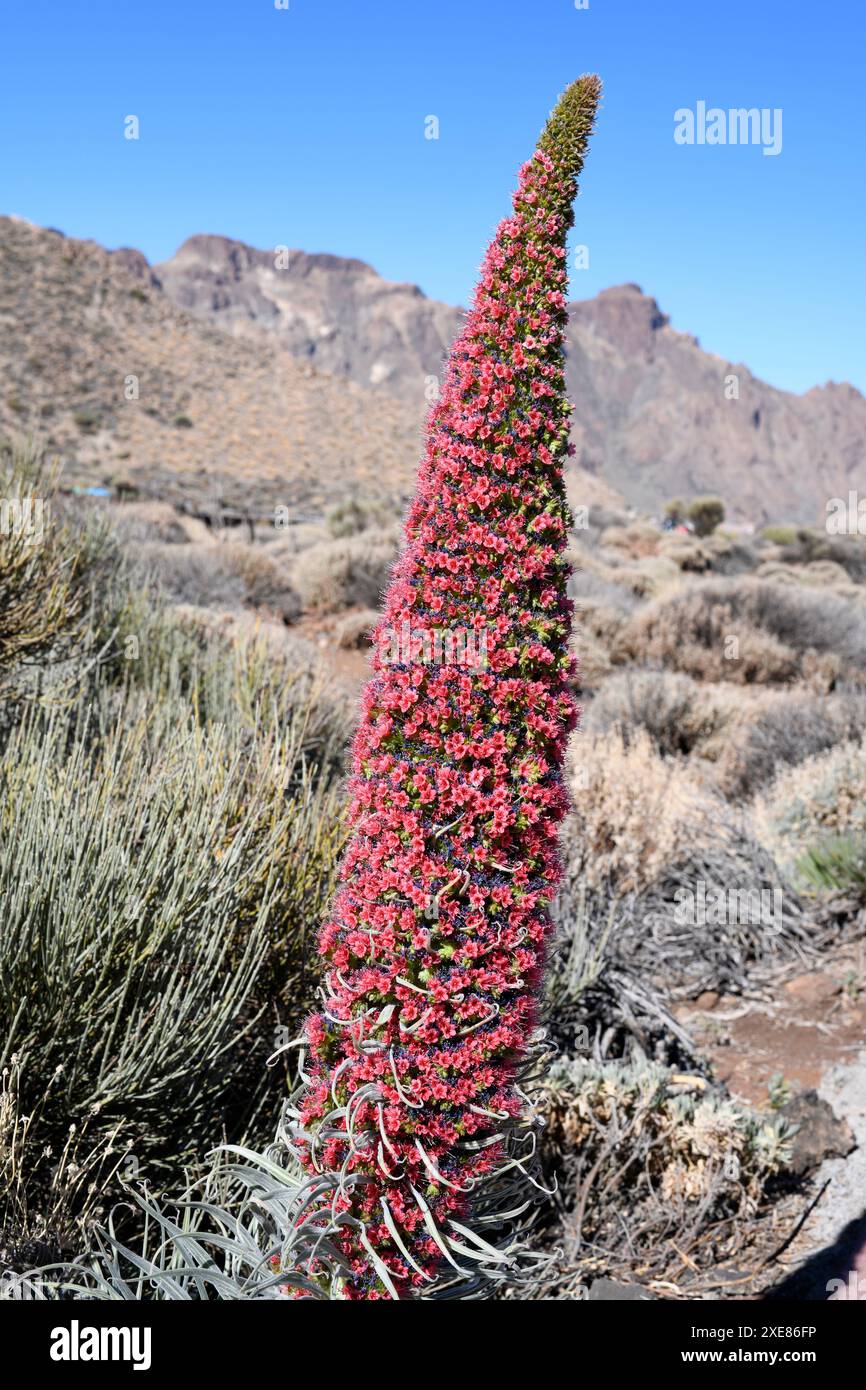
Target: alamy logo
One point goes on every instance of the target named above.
(846, 516)
(852, 1290)
(77, 1343)
(22, 516)
(433, 646)
(706, 906)
(738, 126)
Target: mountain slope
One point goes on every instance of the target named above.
(336, 313)
(82, 328)
(309, 382)
(652, 419)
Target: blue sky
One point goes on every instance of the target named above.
(305, 127)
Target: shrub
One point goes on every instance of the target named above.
(636, 539)
(792, 727)
(197, 852)
(602, 605)
(136, 523)
(822, 798)
(687, 552)
(221, 576)
(731, 555)
(779, 534)
(748, 631)
(810, 545)
(593, 660)
(49, 569)
(836, 865)
(352, 516)
(705, 514)
(651, 1171)
(346, 573)
(674, 710)
(87, 421)
(266, 582)
(705, 639)
(201, 574)
(633, 811)
(355, 630)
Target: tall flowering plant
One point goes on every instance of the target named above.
(436, 941)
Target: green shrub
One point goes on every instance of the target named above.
(836, 865)
(160, 874)
(705, 514)
(779, 534)
(50, 567)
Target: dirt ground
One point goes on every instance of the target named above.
(810, 1035)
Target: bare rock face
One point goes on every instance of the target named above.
(658, 417)
(137, 264)
(336, 313)
(655, 416)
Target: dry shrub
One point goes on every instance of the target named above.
(224, 576)
(633, 540)
(822, 798)
(197, 574)
(265, 580)
(784, 729)
(650, 576)
(718, 553)
(137, 523)
(825, 575)
(654, 1171)
(809, 545)
(593, 660)
(602, 607)
(711, 642)
(347, 573)
(355, 629)
(731, 555)
(601, 517)
(634, 811)
(687, 552)
(678, 714)
(593, 585)
(354, 515)
(748, 632)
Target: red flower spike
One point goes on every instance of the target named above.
(435, 945)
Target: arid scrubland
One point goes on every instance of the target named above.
(181, 698)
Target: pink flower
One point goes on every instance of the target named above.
(436, 939)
